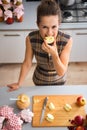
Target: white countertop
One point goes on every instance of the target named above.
(41, 90)
(29, 21)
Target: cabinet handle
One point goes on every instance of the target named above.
(13, 35)
(81, 33)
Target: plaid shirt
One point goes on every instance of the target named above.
(45, 73)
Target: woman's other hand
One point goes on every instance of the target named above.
(13, 87)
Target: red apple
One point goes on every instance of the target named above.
(20, 19)
(9, 20)
(80, 128)
(81, 101)
(79, 120)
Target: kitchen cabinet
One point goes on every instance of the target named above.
(79, 47)
(12, 46)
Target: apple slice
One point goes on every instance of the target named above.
(67, 107)
(51, 106)
(50, 117)
(49, 39)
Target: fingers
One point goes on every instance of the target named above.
(45, 48)
(10, 90)
(12, 87)
(50, 49)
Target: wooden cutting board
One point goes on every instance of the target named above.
(61, 117)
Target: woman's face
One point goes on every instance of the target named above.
(49, 26)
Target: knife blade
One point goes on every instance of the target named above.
(43, 109)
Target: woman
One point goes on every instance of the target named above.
(52, 60)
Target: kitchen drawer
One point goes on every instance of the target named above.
(12, 46)
(79, 48)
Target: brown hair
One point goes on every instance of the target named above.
(48, 7)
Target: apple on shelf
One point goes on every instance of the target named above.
(8, 17)
(81, 101)
(18, 14)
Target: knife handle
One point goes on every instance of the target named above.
(45, 102)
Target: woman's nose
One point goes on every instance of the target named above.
(50, 32)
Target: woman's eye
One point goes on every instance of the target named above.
(44, 27)
(54, 27)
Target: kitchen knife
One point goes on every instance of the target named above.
(43, 109)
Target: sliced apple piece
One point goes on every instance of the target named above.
(51, 106)
(49, 39)
(50, 117)
(67, 107)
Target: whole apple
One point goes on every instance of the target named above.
(79, 120)
(81, 101)
(80, 128)
(9, 20)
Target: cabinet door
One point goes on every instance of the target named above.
(79, 51)
(12, 46)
